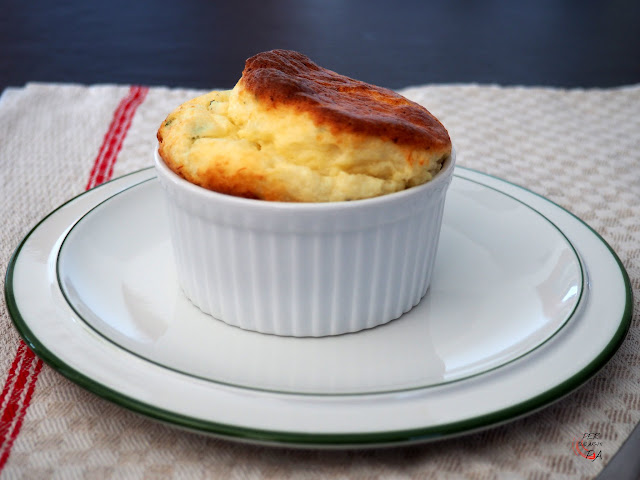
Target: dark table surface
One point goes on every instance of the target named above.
(203, 44)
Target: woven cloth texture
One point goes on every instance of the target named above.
(579, 148)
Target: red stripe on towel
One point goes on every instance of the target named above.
(112, 143)
(21, 391)
(21, 381)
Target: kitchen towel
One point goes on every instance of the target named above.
(579, 148)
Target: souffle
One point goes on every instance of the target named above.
(292, 131)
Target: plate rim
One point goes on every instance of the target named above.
(315, 439)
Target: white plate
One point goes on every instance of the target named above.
(526, 303)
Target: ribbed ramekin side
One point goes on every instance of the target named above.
(407, 257)
(183, 244)
(304, 272)
(432, 230)
(300, 293)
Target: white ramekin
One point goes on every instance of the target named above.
(304, 269)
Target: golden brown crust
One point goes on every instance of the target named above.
(292, 131)
(283, 77)
(241, 184)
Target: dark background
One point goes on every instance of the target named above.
(203, 44)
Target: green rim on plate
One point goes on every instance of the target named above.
(301, 439)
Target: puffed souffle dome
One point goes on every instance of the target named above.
(292, 131)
